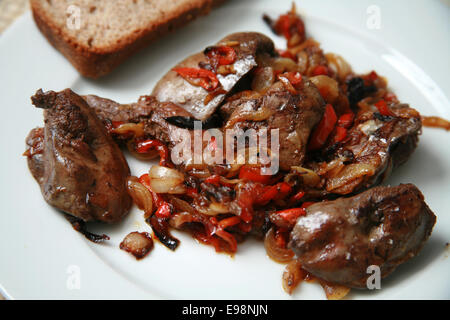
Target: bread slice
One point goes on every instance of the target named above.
(97, 35)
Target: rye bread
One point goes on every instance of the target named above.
(111, 31)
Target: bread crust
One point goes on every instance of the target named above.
(94, 62)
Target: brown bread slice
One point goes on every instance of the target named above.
(111, 30)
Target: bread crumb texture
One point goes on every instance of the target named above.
(106, 25)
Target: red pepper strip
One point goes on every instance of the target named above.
(341, 134)
(384, 109)
(286, 54)
(253, 174)
(268, 194)
(295, 78)
(164, 211)
(323, 129)
(228, 238)
(245, 227)
(346, 120)
(245, 202)
(191, 192)
(278, 191)
(164, 208)
(145, 146)
(199, 77)
(372, 76)
(229, 222)
(289, 24)
(298, 196)
(223, 55)
(281, 235)
(214, 179)
(145, 180)
(320, 70)
(291, 215)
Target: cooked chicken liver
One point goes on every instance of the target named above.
(173, 88)
(295, 115)
(79, 168)
(384, 226)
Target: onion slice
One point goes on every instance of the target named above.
(275, 252)
(166, 180)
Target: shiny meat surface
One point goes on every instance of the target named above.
(295, 115)
(173, 88)
(384, 226)
(79, 168)
(375, 145)
(148, 111)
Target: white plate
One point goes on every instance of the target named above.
(41, 254)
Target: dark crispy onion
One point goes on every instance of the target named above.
(138, 244)
(274, 251)
(188, 122)
(160, 227)
(80, 226)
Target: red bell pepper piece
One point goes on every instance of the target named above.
(346, 120)
(199, 77)
(222, 55)
(291, 215)
(341, 134)
(384, 109)
(320, 70)
(323, 129)
(146, 145)
(253, 174)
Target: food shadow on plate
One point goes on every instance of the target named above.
(433, 249)
(408, 172)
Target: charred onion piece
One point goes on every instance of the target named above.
(80, 226)
(160, 227)
(139, 244)
(188, 122)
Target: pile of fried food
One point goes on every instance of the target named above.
(340, 135)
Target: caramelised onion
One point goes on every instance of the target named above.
(140, 195)
(218, 208)
(328, 87)
(339, 65)
(178, 220)
(310, 178)
(285, 65)
(275, 252)
(310, 42)
(342, 182)
(334, 291)
(138, 244)
(166, 180)
(245, 113)
(136, 128)
(149, 155)
(292, 276)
